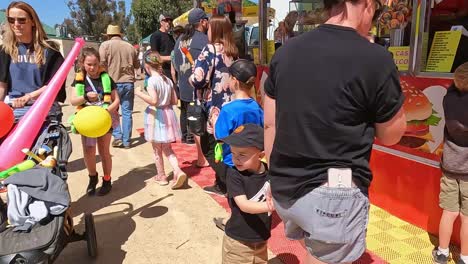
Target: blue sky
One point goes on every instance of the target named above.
(51, 12)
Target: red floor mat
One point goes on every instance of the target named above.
(289, 252)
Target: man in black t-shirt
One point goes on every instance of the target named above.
(329, 93)
(163, 43)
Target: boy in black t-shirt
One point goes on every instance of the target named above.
(248, 229)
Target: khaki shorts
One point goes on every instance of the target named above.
(237, 252)
(453, 195)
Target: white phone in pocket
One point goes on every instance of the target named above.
(340, 178)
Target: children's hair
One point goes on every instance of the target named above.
(153, 60)
(247, 85)
(460, 77)
(86, 52)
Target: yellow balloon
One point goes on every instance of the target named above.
(92, 121)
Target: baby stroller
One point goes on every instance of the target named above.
(48, 237)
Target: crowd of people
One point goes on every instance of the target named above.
(292, 155)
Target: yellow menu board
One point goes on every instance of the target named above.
(401, 57)
(443, 50)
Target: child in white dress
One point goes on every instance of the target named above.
(161, 126)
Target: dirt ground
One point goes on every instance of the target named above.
(140, 221)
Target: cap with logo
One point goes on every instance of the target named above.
(248, 135)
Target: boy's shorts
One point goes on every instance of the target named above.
(453, 195)
(237, 252)
(332, 222)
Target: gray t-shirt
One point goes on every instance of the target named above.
(183, 67)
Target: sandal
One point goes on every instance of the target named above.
(162, 181)
(179, 182)
(219, 222)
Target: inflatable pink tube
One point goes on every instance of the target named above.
(30, 124)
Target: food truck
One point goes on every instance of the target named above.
(428, 40)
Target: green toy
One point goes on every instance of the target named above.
(218, 152)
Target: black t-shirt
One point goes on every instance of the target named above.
(163, 43)
(243, 226)
(22, 73)
(330, 86)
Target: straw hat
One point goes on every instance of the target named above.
(113, 30)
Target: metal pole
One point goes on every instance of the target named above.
(263, 24)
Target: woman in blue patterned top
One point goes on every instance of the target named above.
(211, 67)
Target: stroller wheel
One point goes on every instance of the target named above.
(90, 235)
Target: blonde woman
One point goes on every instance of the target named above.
(28, 60)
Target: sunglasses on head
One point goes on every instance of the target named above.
(21, 20)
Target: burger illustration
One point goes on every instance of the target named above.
(419, 117)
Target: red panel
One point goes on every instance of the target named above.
(408, 190)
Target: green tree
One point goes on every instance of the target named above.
(91, 17)
(146, 13)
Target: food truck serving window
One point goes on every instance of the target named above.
(442, 37)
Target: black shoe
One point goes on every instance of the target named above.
(116, 143)
(214, 190)
(91, 189)
(105, 188)
(439, 258)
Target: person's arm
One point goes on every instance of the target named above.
(174, 98)
(173, 73)
(114, 106)
(390, 132)
(76, 100)
(4, 74)
(150, 98)
(202, 68)
(136, 61)
(269, 105)
(251, 207)
(390, 119)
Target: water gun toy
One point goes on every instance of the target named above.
(218, 152)
(23, 166)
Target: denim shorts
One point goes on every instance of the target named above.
(332, 222)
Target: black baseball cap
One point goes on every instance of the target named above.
(243, 70)
(196, 15)
(248, 135)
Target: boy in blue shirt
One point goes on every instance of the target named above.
(243, 109)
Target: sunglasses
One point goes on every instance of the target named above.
(21, 20)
